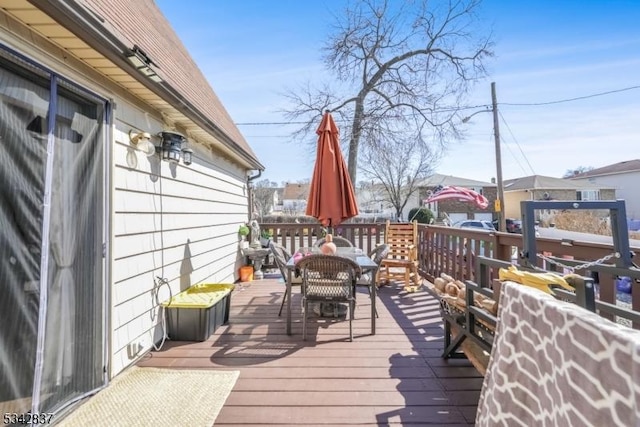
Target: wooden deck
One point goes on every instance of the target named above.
(396, 377)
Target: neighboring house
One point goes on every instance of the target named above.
(90, 215)
(455, 210)
(277, 200)
(537, 187)
(294, 199)
(372, 202)
(624, 177)
(265, 200)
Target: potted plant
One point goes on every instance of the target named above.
(244, 231)
(265, 237)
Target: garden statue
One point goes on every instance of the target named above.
(255, 234)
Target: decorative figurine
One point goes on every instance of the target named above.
(255, 234)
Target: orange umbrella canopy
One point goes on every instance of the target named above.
(331, 196)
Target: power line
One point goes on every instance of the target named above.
(571, 99)
(466, 107)
(442, 110)
(504, 143)
(516, 141)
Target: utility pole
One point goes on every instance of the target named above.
(499, 207)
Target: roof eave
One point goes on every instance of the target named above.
(88, 27)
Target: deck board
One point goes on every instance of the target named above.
(396, 377)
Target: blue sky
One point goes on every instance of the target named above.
(251, 50)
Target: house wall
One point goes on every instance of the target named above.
(512, 201)
(179, 223)
(609, 194)
(626, 187)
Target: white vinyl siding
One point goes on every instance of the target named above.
(181, 225)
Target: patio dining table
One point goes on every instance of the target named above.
(365, 263)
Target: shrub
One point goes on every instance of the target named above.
(422, 215)
(582, 221)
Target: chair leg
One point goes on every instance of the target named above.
(371, 296)
(355, 291)
(352, 306)
(284, 298)
(305, 309)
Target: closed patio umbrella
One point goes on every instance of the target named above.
(331, 196)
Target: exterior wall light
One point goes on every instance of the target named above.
(143, 63)
(172, 149)
(142, 140)
(187, 156)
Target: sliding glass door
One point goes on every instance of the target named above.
(52, 292)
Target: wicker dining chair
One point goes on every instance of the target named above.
(340, 242)
(377, 254)
(328, 278)
(281, 256)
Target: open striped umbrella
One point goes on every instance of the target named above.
(458, 193)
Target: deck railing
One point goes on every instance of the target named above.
(295, 236)
(453, 251)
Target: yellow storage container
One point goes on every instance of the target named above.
(195, 313)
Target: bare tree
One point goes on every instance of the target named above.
(399, 166)
(263, 197)
(577, 171)
(398, 67)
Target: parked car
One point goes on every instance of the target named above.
(513, 225)
(476, 224)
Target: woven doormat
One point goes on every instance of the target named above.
(157, 397)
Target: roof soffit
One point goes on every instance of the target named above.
(115, 68)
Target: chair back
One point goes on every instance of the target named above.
(280, 256)
(340, 242)
(328, 277)
(402, 239)
(379, 253)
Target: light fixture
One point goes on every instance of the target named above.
(488, 110)
(142, 140)
(187, 156)
(143, 63)
(171, 148)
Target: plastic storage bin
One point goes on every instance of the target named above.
(196, 313)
